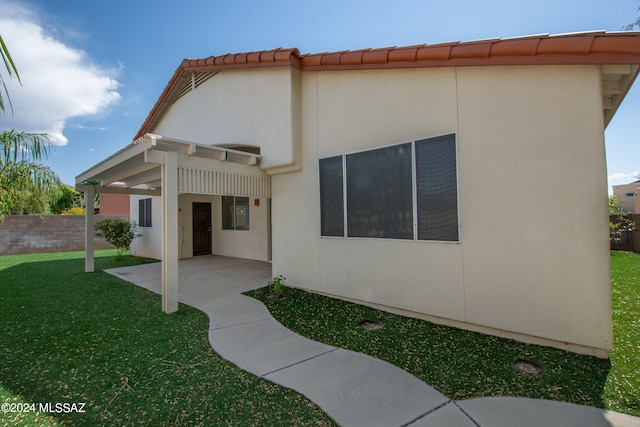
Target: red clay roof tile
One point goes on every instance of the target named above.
(517, 47)
(375, 56)
(253, 57)
(560, 45)
(404, 54)
(354, 57)
(440, 52)
(617, 43)
(471, 50)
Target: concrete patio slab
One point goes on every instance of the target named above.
(510, 411)
(358, 390)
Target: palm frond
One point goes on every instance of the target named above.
(11, 70)
(19, 146)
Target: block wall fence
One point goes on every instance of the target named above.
(29, 234)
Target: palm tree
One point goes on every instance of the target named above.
(23, 181)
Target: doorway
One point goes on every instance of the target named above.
(201, 228)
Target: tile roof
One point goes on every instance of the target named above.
(266, 58)
(596, 47)
(581, 48)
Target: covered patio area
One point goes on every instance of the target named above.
(156, 165)
(202, 279)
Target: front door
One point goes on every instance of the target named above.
(201, 228)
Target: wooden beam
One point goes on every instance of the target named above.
(83, 188)
(144, 177)
(616, 69)
(611, 87)
(123, 175)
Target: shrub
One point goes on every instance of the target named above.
(73, 211)
(118, 232)
(277, 284)
(620, 220)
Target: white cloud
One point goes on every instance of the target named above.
(633, 176)
(58, 81)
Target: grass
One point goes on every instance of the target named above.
(75, 337)
(622, 391)
(464, 365)
(70, 336)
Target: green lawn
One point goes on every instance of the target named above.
(69, 336)
(465, 365)
(75, 337)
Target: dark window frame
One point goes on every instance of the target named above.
(232, 218)
(332, 196)
(428, 181)
(145, 212)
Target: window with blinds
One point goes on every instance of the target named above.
(407, 191)
(144, 212)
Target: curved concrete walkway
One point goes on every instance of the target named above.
(352, 388)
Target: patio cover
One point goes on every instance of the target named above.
(156, 165)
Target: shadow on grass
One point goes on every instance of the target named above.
(70, 336)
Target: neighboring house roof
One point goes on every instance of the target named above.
(625, 185)
(596, 48)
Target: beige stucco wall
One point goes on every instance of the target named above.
(530, 264)
(252, 107)
(149, 244)
(248, 244)
(524, 265)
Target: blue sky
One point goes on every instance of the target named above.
(92, 69)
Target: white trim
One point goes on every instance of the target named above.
(89, 224)
(121, 156)
(170, 233)
(117, 190)
(414, 190)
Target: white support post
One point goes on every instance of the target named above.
(88, 230)
(170, 233)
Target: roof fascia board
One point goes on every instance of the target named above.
(82, 188)
(123, 155)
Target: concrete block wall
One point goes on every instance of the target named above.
(28, 234)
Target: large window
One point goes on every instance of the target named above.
(406, 191)
(235, 213)
(144, 212)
